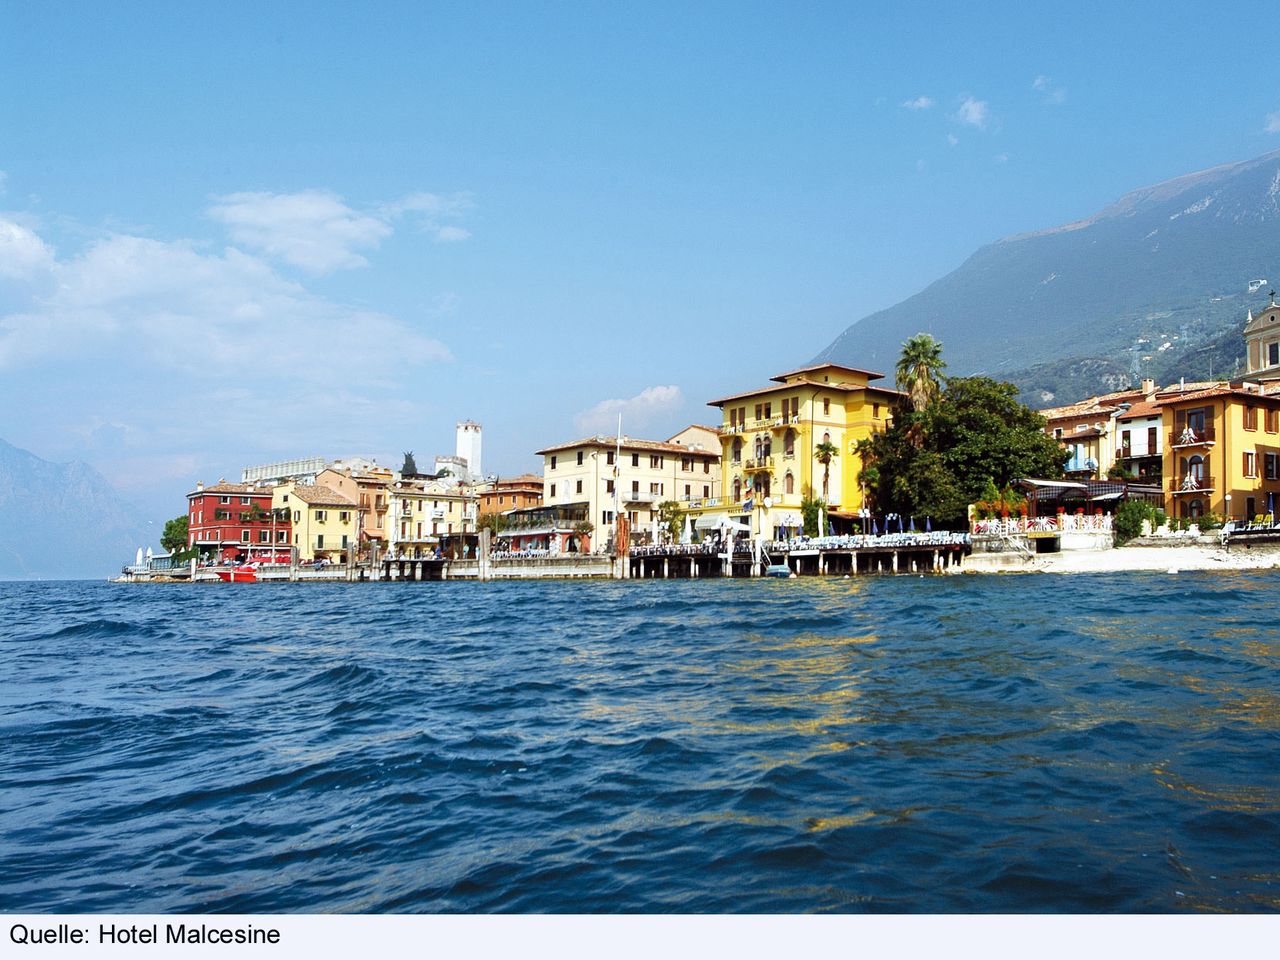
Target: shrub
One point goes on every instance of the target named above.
(1128, 519)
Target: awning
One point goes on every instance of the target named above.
(710, 521)
(1051, 484)
(1107, 496)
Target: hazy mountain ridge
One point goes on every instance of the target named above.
(62, 520)
(1154, 284)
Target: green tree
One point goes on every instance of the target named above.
(670, 517)
(824, 452)
(174, 537)
(918, 370)
(495, 523)
(811, 511)
(410, 468)
(1129, 517)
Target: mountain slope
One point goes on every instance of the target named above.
(1153, 285)
(62, 520)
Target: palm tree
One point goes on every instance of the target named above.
(918, 369)
(823, 452)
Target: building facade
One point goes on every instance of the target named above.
(234, 522)
(323, 521)
(772, 440)
(369, 488)
(421, 511)
(513, 493)
(633, 477)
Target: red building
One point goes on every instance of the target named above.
(233, 523)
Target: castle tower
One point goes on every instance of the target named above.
(468, 447)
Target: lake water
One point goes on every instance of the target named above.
(1017, 743)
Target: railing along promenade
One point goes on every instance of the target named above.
(1062, 523)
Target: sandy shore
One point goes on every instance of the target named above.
(1160, 559)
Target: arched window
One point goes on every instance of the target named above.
(767, 447)
(737, 490)
(789, 443)
(826, 438)
(1195, 509)
(789, 483)
(759, 448)
(737, 450)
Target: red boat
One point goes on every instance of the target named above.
(243, 574)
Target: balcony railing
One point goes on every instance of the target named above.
(1190, 483)
(639, 496)
(1189, 437)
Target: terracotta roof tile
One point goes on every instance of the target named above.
(318, 495)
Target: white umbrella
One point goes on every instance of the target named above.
(655, 528)
(688, 529)
(148, 553)
(137, 562)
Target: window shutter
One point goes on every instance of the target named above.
(1245, 456)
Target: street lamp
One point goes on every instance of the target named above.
(1228, 499)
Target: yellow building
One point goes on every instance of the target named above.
(1222, 449)
(770, 438)
(368, 487)
(424, 510)
(323, 521)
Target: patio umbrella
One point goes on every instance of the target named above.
(137, 562)
(875, 527)
(688, 529)
(913, 524)
(1271, 505)
(831, 528)
(928, 525)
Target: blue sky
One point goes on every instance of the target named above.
(230, 234)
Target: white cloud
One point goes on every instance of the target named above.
(451, 234)
(312, 229)
(23, 255)
(1053, 94)
(919, 103)
(637, 412)
(1002, 158)
(952, 139)
(130, 301)
(974, 113)
(433, 211)
(1272, 124)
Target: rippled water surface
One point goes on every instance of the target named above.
(1030, 743)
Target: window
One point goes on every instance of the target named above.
(635, 486)
(786, 407)
(688, 491)
(826, 407)
(1125, 442)
(284, 498)
(553, 490)
(789, 483)
(606, 516)
(742, 416)
(789, 443)
(1271, 463)
(344, 541)
(579, 487)
(1153, 441)
(281, 536)
(222, 514)
(608, 486)
(579, 458)
(244, 536)
(1250, 464)
(1251, 418)
(319, 541)
(224, 499)
(656, 462)
(768, 411)
(706, 489)
(344, 515)
(297, 516)
(686, 463)
(1250, 505)
(875, 411)
(737, 490)
(737, 449)
(264, 536)
(1057, 433)
(1273, 421)
(759, 411)
(733, 417)
(608, 458)
(244, 501)
(1273, 353)
(553, 463)
(635, 459)
(321, 516)
(655, 488)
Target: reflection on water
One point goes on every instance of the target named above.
(1088, 743)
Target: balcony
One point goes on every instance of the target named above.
(1190, 437)
(639, 496)
(730, 429)
(1192, 484)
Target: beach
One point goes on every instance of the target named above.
(1182, 557)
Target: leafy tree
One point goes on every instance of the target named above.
(495, 523)
(972, 440)
(811, 511)
(918, 370)
(1129, 517)
(670, 517)
(824, 452)
(174, 537)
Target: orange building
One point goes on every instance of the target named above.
(515, 493)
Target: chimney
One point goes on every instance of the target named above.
(1148, 388)
(199, 485)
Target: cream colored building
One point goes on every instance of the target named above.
(1262, 343)
(323, 520)
(368, 487)
(421, 511)
(602, 474)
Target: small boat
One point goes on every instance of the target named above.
(247, 573)
(777, 570)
